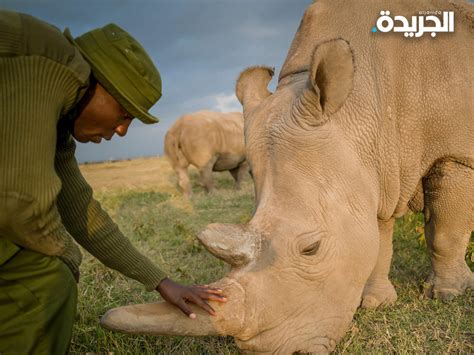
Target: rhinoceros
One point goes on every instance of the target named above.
(211, 141)
(362, 127)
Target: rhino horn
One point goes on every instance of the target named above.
(162, 318)
(251, 87)
(236, 244)
(157, 319)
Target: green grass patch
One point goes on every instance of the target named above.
(163, 227)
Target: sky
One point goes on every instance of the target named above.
(199, 47)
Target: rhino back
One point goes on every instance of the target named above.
(411, 102)
(416, 91)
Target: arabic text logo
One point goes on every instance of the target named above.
(418, 24)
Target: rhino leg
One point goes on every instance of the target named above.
(183, 181)
(206, 175)
(378, 289)
(239, 173)
(449, 220)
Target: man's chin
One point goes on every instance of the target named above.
(82, 139)
(96, 140)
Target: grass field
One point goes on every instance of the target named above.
(162, 225)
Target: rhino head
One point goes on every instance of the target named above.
(299, 266)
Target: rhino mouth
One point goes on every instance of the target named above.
(299, 334)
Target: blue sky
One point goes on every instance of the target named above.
(199, 46)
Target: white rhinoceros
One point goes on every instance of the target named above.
(211, 141)
(362, 127)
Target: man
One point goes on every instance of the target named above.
(54, 88)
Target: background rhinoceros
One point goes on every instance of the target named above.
(211, 141)
(362, 127)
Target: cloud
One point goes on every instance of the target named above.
(221, 102)
(227, 103)
(258, 31)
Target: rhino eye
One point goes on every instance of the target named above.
(311, 249)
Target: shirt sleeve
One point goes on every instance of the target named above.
(92, 227)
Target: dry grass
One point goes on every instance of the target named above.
(153, 173)
(142, 198)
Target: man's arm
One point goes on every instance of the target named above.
(97, 233)
(92, 227)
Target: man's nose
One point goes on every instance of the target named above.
(122, 129)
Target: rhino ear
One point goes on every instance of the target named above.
(330, 82)
(251, 87)
(332, 72)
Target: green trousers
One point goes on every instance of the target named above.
(38, 297)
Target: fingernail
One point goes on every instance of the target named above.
(224, 298)
(192, 316)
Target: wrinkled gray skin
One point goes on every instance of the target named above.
(361, 128)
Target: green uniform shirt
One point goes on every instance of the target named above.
(44, 200)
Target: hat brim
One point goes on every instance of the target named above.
(116, 93)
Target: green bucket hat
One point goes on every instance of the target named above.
(122, 67)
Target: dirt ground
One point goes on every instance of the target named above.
(141, 173)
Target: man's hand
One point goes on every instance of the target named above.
(179, 296)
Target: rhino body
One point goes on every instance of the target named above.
(361, 128)
(211, 141)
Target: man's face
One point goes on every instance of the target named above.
(101, 117)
